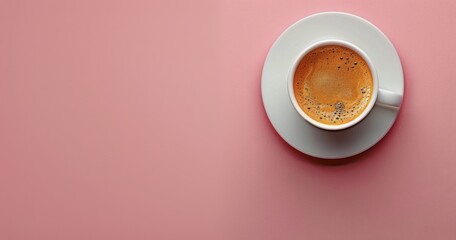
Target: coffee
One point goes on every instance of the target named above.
(333, 84)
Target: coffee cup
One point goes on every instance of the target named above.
(334, 85)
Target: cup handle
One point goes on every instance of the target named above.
(388, 98)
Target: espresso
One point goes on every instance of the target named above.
(333, 84)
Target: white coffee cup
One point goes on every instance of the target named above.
(382, 97)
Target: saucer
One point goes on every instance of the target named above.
(290, 125)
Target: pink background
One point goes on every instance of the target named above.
(144, 120)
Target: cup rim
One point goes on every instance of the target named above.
(342, 43)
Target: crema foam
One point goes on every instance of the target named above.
(333, 84)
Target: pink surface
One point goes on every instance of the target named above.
(143, 120)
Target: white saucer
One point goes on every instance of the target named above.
(286, 120)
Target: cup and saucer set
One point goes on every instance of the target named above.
(302, 131)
